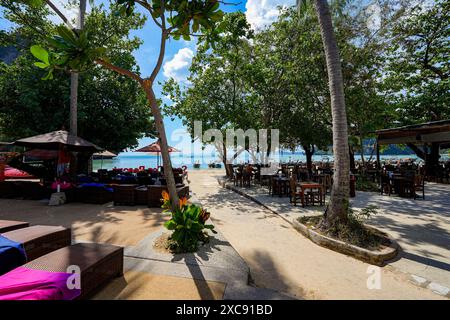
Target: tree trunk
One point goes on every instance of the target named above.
(338, 206)
(363, 160)
(309, 151)
(430, 155)
(73, 103)
(74, 77)
(167, 163)
(225, 162)
(73, 126)
(432, 161)
(351, 155)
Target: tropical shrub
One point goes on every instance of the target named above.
(188, 224)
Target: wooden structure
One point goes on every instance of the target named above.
(424, 134)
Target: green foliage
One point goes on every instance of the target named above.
(188, 224)
(219, 92)
(112, 110)
(419, 62)
(290, 80)
(75, 50)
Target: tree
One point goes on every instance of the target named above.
(363, 47)
(74, 50)
(218, 94)
(106, 100)
(289, 78)
(418, 71)
(337, 210)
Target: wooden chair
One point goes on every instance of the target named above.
(237, 177)
(275, 188)
(296, 193)
(419, 186)
(386, 185)
(325, 181)
(314, 196)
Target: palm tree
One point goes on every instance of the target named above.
(337, 209)
(74, 78)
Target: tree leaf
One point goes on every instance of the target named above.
(41, 65)
(40, 53)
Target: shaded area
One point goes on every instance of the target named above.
(121, 225)
(145, 286)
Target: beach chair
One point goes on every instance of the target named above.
(29, 243)
(10, 225)
(47, 277)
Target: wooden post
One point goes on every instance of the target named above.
(378, 156)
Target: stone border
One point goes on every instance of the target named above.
(373, 257)
(415, 280)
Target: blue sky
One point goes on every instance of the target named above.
(179, 53)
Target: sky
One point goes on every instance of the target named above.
(179, 54)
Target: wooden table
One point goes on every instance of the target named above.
(400, 183)
(283, 185)
(305, 186)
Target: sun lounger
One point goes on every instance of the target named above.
(46, 278)
(32, 242)
(10, 225)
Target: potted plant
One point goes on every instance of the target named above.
(188, 224)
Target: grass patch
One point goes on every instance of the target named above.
(353, 232)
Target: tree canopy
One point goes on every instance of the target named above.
(113, 110)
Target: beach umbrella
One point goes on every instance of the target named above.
(104, 154)
(55, 140)
(155, 148)
(41, 154)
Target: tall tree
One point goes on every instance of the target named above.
(106, 100)
(289, 78)
(175, 19)
(418, 73)
(337, 210)
(218, 93)
(74, 77)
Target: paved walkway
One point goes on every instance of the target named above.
(421, 227)
(282, 259)
(215, 271)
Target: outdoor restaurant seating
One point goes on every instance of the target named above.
(94, 193)
(124, 194)
(296, 193)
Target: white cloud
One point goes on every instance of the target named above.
(261, 13)
(69, 10)
(177, 68)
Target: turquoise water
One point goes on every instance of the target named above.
(178, 160)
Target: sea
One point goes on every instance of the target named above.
(130, 160)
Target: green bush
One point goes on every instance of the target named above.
(188, 225)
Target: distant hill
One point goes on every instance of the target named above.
(8, 54)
